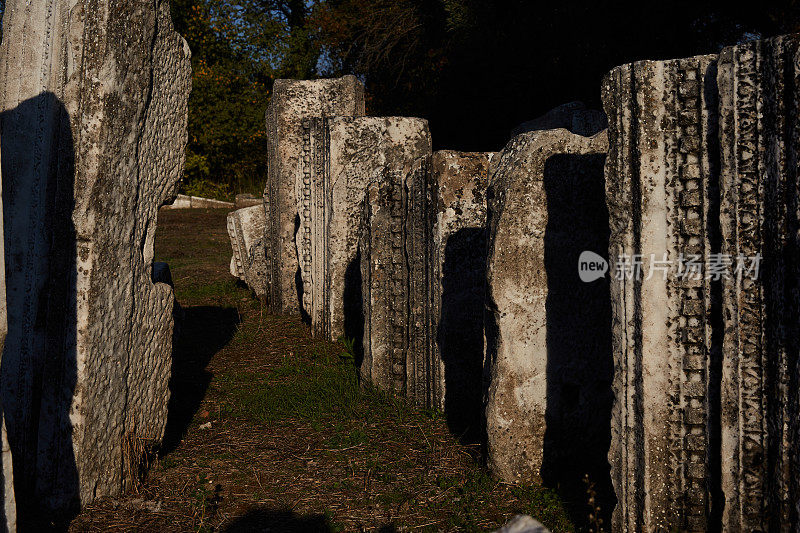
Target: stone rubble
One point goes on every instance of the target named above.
(94, 116)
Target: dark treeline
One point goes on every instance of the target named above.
(474, 68)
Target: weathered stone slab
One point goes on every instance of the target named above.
(247, 200)
(759, 130)
(248, 263)
(547, 333)
(349, 154)
(289, 160)
(183, 201)
(396, 281)
(573, 116)
(459, 280)
(661, 194)
(94, 111)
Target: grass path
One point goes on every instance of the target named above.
(269, 429)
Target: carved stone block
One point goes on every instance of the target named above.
(548, 345)
(289, 159)
(661, 189)
(349, 154)
(94, 114)
(459, 279)
(396, 280)
(248, 263)
(759, 86)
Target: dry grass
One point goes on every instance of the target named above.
(270, 431)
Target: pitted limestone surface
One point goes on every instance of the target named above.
(94, 131)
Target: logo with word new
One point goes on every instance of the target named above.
(591, 266)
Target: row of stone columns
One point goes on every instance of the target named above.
(680, 379)
(93, 115)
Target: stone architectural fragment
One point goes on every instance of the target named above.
(547, 333)
(759, 87)
(396, 280)
(459, 279)
(573, 116)
(248, 263)
(661, 189)
(94, 112)
(349, 154)
(289, 160)
(196, 202)
(247, 200)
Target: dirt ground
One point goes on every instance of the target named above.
(269, 429)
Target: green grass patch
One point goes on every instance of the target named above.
(297, 389)
(190, 293)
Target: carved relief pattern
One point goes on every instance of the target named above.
(397, 280)
(305, 248)
(750, 320)
(691, 494)
(237, 243)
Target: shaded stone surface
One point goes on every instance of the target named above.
(395, 259)
(548, 354)
(661, 189)
(349, 154)
(459, 280)
(573, 116)
(94, 110)
(759, 128)
(289, 159)
(8, 504)
(248, 263)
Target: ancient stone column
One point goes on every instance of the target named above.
(289, 170)
(661, 182)
(349, 153)
(459, 279)
(396, 281)
(248, 263)
(759, 86)
(547, 332)
(94, 113)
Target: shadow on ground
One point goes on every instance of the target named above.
(201, 332)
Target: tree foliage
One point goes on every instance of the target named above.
(473, 68)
